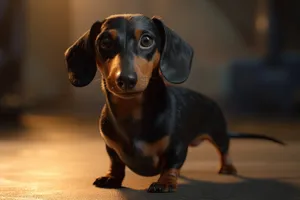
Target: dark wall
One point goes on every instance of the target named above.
(12, 34)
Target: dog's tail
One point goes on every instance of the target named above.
(254, 136)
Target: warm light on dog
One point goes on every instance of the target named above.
(147, 125)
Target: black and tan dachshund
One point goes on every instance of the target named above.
(147, 124)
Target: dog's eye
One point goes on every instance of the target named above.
(146, 42)
(106, 43)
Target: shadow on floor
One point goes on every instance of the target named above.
(246, 189)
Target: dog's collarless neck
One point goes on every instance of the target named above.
(133, 109)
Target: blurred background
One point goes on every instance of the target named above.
(247, 55)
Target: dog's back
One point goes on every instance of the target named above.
(195, 113)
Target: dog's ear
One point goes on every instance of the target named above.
(176, 54)
(80, 58)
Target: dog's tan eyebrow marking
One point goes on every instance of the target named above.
(113, 33)
(137, 34)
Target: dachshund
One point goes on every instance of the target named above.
(148, 122)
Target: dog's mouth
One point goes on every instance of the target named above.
(122, 94)
(128, 95)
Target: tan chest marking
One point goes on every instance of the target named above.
(155, 149)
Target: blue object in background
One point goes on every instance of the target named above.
(270, 84)
(259, 88)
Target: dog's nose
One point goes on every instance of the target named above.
(127, 81)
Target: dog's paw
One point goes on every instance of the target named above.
(228, 170)
(108, 182)
(161, 188)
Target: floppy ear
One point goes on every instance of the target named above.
(176, 54)
(80, 58)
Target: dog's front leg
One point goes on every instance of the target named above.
(173, 161)
(115, 174)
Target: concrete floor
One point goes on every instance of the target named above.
(59, 159)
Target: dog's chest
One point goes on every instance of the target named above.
(139, 144)
(144, 158)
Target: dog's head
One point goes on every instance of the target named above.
(127, 49)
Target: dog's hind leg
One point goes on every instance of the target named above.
(221, 141)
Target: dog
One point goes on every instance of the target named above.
(148, 122)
